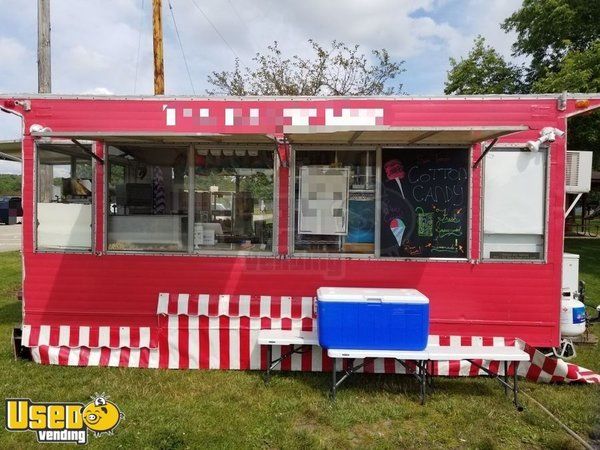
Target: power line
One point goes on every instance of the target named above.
(137, 59)
(216, 30)
(243, 22)
(187, 68)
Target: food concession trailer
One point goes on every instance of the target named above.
(167, 232)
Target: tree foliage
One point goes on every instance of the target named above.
(10, 184)
(338, 69)
(483, 71)
(561, 38)
(579, 71)
(547, 30)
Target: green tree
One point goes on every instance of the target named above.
(10, 184)
(334, 70)
(547, 30)
(260, 185)
(578, 71)
(561, 38)
(483, 71)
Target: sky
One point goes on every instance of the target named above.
(105, 46)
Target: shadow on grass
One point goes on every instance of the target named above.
(10, 313)
(401, 384)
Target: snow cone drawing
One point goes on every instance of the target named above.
(397, 226)
(394, 170)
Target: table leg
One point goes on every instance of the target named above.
(430, 374)
(333, 379)
(269, 364)
(506, 377)
(423, 381)
(504, 381)
(516, 388)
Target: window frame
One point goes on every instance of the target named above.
(378, 161)
(292, 202)
(36, 162)
(544, 235)
(204, 253)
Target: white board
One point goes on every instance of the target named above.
(64, 226)
(323, 202)
(514, 192)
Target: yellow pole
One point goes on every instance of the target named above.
(159, 70)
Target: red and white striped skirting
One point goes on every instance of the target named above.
(221, 332)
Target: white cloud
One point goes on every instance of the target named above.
(98, 91)
(95, 43)
(10, 167)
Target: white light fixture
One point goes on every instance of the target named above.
(37, 128)
(548, 134)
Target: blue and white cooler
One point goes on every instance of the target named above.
(372, 318)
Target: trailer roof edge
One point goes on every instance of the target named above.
(573, 96)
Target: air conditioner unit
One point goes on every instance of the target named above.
(579, 171)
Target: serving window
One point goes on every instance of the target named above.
(146, 193)
(335, 194)
(391, 202)
(175, 198)
(514, 204)
(233, 195)
(64, 198)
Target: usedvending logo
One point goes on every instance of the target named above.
(63, 422)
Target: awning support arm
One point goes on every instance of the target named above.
(282, 147)
(485, 152)
(87, 150)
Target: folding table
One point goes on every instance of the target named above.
(473, 354)
(298, 341)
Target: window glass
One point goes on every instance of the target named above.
(64, 197)
(424, 202)
(514, 205)
(335, 202)
(233, 208)
(147, 207)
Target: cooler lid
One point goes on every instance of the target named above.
(383, 295)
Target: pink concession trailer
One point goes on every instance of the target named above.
(167, 232)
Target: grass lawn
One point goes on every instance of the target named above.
(189, 409)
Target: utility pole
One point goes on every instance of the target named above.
(157, 40)
(44, 73)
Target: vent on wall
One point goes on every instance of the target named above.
(578, 172)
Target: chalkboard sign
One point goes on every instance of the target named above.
(424, 204)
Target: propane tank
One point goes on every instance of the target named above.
(572, 316)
